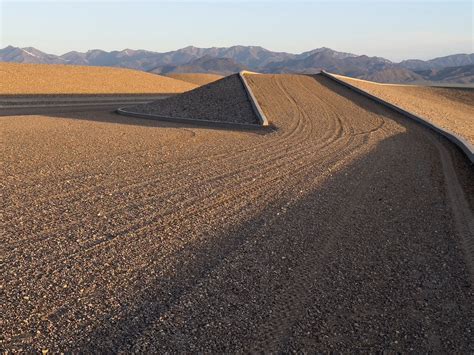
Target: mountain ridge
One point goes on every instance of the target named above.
(226, 60)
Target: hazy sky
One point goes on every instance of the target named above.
(392, 29)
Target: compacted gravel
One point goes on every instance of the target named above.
(345, 229)
(224, 100)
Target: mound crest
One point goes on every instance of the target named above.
(223, 101)
(196, 78)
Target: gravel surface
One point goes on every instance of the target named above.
(450, 108)
(340, 231)
(196, 78)
(224, 100)
(34, 79)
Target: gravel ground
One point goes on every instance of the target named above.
(37, 79)
(340, 231)
(450, 108)
(196, 78)
(224, 100)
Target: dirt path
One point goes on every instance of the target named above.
(334, 232)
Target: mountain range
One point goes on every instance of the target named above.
(457, 68)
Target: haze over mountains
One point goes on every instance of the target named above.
(457, 68)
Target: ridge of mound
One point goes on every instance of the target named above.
(449, 108)
(224, 100)
(196, 78)
(34, 79)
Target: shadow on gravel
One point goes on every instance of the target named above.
(463, 166)
(109, 116)
(368, 260)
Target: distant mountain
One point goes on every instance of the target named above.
(28, 55)
(461, 74)
(226, 60)
(455, 60)
(332, 61)
(334, 54)
(393, 75)
(456, 75)
(206, 64)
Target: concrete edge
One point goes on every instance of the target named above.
(78, 105)
(253, 100)
(208, 123)
(465, 146)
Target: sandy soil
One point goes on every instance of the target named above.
(450, 108)
(224, 100)
(196, 78)
(71, 79)
(123, 234)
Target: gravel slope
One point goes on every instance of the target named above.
(449, 108)
(224, 100)
(196, 78)
(34, 79)
(338, 231)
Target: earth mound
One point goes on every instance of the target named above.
(196, 78)
(224, 100)
(50, 79)
(449, 108)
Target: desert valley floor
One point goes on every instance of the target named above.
(343, 227)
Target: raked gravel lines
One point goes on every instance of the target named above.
(334, 232)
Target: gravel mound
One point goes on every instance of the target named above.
(449, 108)
(196, 78)
(224, 100)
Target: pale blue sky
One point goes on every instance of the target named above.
(393, 29)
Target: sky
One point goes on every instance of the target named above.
(395, 30)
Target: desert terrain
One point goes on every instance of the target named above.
(64, 88)
(196, 78)
(42, 79)
(345, 227)
(449, 108)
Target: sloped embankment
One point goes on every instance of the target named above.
(196, 78)
(449, 108)
(224, 101)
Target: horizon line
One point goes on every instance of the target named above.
(236, 45)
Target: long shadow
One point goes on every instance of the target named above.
(328, 213)
(344, 212)
(108, 115)
(370, 105)
(461, 163)
(307, 227)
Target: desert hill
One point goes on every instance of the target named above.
(68, 79)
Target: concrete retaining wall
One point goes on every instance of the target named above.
(256, 107)
(194, 121)
(461, 142)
